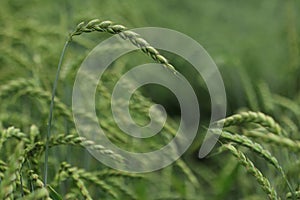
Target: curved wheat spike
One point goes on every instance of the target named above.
(105, 26)
(257, 148)
(263, 181)
(39, 147)
(252, 117)
(42, 94)
(72, 173)
(15, 85)
(96, 25)
(8, 184)
(26, 87)
(12, 132)
(82, 141)
(95, 178)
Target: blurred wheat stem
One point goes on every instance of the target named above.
(51, 110)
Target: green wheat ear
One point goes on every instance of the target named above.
(104, 26)
(258, 149)
(249, 166)
(73, 174)
(253, 117)
(8, 184)
(96, 25)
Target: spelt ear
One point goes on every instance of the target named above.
(252, 117)
(8, 184)
(260, 150)
(96, 25)
(249, 166)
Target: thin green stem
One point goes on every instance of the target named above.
(51, 110)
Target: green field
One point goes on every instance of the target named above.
(256, 47)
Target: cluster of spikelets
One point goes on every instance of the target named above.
(21, 153)
(30, 153)
(19, 171)
(266, 129)
(23, 178)
(263, 130)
